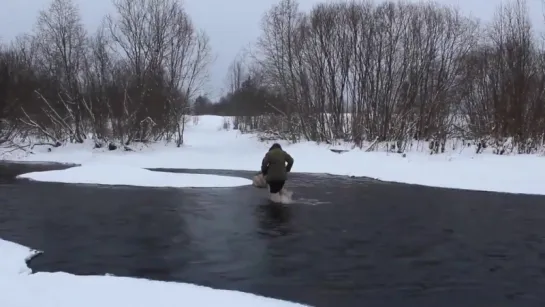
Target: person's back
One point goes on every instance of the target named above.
(274, 167)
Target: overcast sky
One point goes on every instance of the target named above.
(231, 24)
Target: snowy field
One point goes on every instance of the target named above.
(209, 146)
(20, 288)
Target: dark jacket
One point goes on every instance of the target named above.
(274, 165)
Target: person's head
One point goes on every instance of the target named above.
(275, 146)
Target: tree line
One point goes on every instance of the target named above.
(130, 81)
(355, 71)
(392, 72)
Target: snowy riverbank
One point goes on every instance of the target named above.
(208, 146)
(22, 289)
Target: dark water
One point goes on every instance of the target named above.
(345, 242)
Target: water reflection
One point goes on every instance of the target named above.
(274, 219)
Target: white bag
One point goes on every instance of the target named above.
(259, 181)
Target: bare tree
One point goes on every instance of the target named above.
(279, 45)
(98, 78)
(8, 126)
(503, 105)
(167, 57)
(61, 39)
(236, 74)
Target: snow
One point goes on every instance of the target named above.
(13, 258)
(209, 146)
(116, 174)
(22, 289)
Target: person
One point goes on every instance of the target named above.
(274, 168)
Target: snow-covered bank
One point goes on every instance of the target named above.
(67, 290)
(13, 258)
(117, 174)
(208, 146)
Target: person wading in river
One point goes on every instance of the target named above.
(275, 170)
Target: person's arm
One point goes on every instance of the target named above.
(265, 164)
(288, 159)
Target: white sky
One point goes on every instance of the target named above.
(231, 24)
